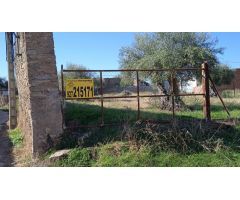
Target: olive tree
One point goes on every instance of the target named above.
(168, 51)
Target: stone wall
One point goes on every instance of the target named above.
(39, 113)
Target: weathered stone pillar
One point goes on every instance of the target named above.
(40, 115)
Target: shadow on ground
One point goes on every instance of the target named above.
(6, 159)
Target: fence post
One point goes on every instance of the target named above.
(234, 89)
(138, 100)
(206, 91)
(173, 81)
(101, 93)
(63, 97)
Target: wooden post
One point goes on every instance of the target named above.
(206, 91)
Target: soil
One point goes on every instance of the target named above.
(6, 159)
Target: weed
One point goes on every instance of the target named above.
(185, 137)
(192, 142)
(77, 157)
(16, 137)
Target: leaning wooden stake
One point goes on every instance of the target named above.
(219, 96)
(206, 91)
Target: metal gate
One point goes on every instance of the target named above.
(108, 90)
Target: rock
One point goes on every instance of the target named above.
(59, 154)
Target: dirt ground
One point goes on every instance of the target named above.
(5, 144)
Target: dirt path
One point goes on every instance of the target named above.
(5, 144)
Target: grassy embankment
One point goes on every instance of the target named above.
(142, 144)
(109, 146)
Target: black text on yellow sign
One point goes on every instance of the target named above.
(79, 88)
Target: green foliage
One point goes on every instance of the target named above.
(126, 80)
(120, 154)
(74, 75)
(16, 137)
(77, 74)
(205, 159)
(169, 50)
(222, 74)
(77, 158)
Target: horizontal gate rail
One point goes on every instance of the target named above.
(133, 70)
(134, 96)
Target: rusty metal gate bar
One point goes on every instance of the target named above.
(138, 99)
(173, 93)
(101, 93)
(217, 93)
(133, 70)
(138, 96)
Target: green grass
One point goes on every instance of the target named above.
(230, 94)
(89, 113)
(105, 146)
(16, 137)
(119, 154)
(77, 158)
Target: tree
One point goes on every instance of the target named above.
(169, 50)
(222, 74)
(78, 74)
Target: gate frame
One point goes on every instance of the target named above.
(205, 90)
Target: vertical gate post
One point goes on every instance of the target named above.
(173, 81)
(101, 93)
(234, 89)
(138, 100)
(206, 91)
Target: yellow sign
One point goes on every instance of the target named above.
(79, 88)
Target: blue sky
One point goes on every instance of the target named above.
(101, 50)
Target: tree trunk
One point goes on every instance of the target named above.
(165, 103)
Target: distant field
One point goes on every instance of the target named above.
(116, 110)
